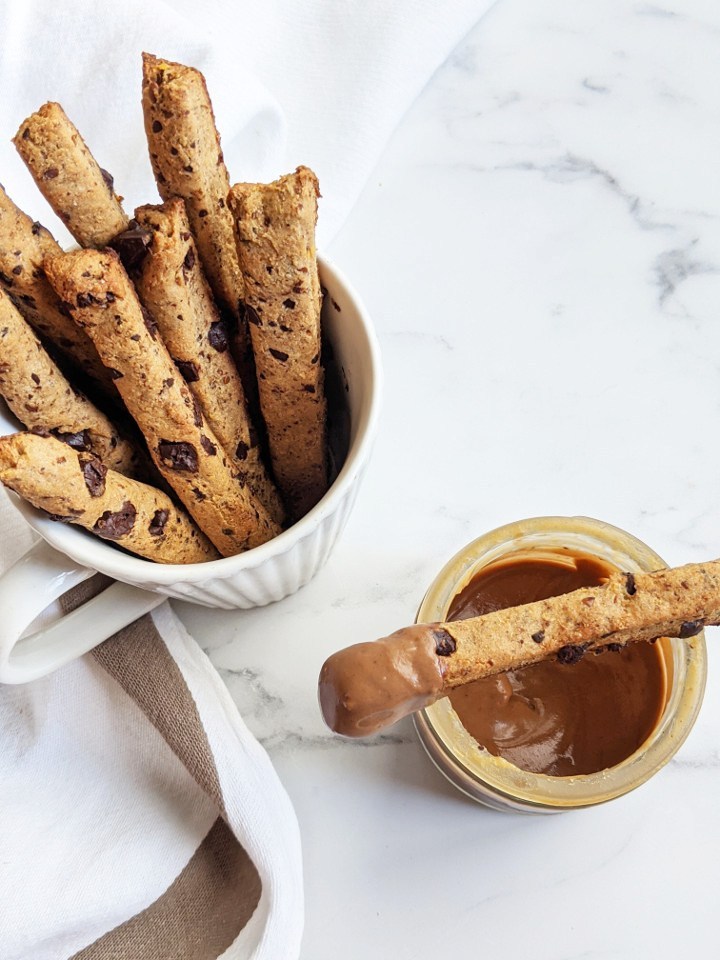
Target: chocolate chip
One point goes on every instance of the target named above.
(444, 643)
(135, 337)
(94, 473)
(630, 587)
(33, 376)
(242, 451)
(58, 518)
(50, 173)
(315, 358)
(109, 180)
(199, 495)
(157, 126)
(188, 369)
(289, 304)
(539, 636)
(110, 297)
(571, 653)
(168, 383)
(157, 524)
(690, 628)
(115, 526)
(308, 388)
(132, 245)
(217, 336)
(26, 133)
(279, 355)
(17, 270)
(614, 647)
(36, 228)
(78, 441)
(115, 374)
(197, 412)
(252, 317)
(202, 213)
(208, 446)
(188, 168)
(189, 261)
(179, 456)
(85, 300)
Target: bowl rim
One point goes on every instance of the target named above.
(95, 554)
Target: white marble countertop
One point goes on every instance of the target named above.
(540, 250)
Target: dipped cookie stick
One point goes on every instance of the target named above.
(76, 487)
(42, 399)
(171, 284)
(371, 685)
(184, 448)
(187, 161)
(276, 247)
(68, 176)
(24, 244)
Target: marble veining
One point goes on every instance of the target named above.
(540, 250)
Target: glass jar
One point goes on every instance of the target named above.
(493, 781)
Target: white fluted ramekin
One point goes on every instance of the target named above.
(67, 555)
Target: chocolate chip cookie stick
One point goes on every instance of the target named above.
(67, 175)
(171, 284)
(185, 450)
(42, 399)
(370, 685)
(187, 162)
(77, 488)
(276, 248)
(24, 244)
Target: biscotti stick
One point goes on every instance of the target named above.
(78, 488)
(276, 248)
(370, 685)
(24, 244)
(187, 161)
(184, 448)
(67, 175)
(42, 399)
(171, 284)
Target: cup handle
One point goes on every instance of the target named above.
(30, 586)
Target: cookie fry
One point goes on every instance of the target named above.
(370, 685)
(184, 448)
(171, 284)
(276, 248)
(68, 176)
(42, 399)
(78, 488)
(188, 162)
(24, 244)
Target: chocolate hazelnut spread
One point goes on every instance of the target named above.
(552, 717)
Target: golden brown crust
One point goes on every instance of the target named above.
(184, 448)
(68, 176)
(76, 487)
(187, 161)
(276, 248)
(171, 284)
(43, 400)
(629, 607)
(24, 244)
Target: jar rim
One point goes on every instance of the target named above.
(493, 780)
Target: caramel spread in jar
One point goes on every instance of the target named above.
(558, 719)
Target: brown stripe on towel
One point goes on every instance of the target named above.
(199, 916)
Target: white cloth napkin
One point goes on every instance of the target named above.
(113, 833)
